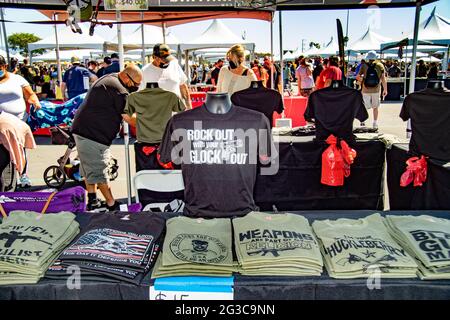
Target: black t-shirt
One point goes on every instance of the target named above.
(334, 110)
(260, 99)
(215, 74)
(429, 111)
(125, 240)
(46, 89)
(100, 115)
(219, 164)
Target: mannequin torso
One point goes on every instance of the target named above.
(337, 84)
(218, 103)
(435, 84)
(152, 85)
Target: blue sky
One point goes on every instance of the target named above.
(318, 25)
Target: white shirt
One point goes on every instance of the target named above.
(230, 82)
(168, 79)
(306, 81)
(11, 96)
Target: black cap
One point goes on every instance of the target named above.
(162, 51)
(107, 60)
(3, 61)
(114, 56)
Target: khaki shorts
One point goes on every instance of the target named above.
(371, 100)
(94, 160)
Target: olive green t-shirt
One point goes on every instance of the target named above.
(198, 241)
(427, 237)
(271, 239)
(353, 246)
(153, 108)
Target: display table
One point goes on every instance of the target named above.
(297, 185)
(294, 108)
(433, 195)
(255, 287)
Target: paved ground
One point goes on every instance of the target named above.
(46, 154)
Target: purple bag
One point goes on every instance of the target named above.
(72, 200)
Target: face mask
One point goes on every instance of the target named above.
(232, 64)
(132, 89)
(163, 65)
(2, 73)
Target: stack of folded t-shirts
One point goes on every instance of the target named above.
(30, 242)
(276, 244)
(359, 248)
(427, 239)
(120, 247)
(196, 247)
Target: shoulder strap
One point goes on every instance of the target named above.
(48, 202)
(3, 212)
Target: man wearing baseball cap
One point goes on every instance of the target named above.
(372, 76)
(76, 79)
(165, 70)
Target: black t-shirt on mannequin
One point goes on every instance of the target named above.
(429, 111)
(334, 108)
(218, 146)
(259, 98)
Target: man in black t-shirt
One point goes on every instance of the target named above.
(96, 125)
(215, 72)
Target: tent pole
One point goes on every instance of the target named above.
(186, 63)
(445, 62)
(412, 76)
(143, 40)
(164, 31)
(5, 36)
(126, 135)
(271, 53)
(280, 17)
(58, 60)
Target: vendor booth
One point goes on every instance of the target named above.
(246, 209)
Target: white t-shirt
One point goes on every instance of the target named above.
(168, 79)
(306, 81)
(230, 82)
(11, 96)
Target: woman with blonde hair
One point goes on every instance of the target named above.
(236, 76)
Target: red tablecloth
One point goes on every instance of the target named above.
(294, 108)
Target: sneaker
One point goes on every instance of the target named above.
(375, 125)
(24, 181)
(95, 205)
(114, 207)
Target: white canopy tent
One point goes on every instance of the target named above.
(152, 36)
(368, 41)
(64, 55)
(70, 40)
(217, 35)
(17, 56)
(435, 29)
(331, 48)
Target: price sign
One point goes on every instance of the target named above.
(126, 5)
(188, 295)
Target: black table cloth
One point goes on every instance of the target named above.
(433, 195)
(297, 184)
(254, 287)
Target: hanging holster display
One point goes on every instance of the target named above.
(336, 161)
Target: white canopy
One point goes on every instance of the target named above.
(368, 41)
(290, 56)
(64, 55)
(331, 48)
(17, 56)
(152, 36)
(435, 29)
(69, 40)
(217, 35)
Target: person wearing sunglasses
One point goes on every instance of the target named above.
(95, 126)
(165, 70)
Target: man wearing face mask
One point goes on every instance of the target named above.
(96, 125)
(165, 70)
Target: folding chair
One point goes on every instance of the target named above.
(157, 181)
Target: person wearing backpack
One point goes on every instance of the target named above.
(372, 76)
